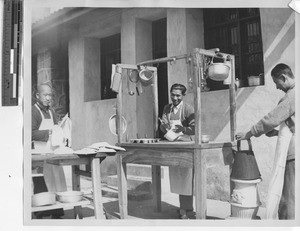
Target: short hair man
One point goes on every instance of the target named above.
(284, 112)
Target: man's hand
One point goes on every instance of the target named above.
(178, 129)
(271, 133)
(243, 135)
(164, 127)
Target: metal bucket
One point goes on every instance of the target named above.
(245, 166)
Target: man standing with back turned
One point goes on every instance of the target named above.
(282, 115)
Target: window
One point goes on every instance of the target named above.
(110, 48)
(238, 32)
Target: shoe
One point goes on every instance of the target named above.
(186, 214)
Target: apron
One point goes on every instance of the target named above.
(181, 179)
(276, 183)
(54, 175)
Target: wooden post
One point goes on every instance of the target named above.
(76, 187)
(200, 184)
(122, 187)
(97, 194)
(156, 186)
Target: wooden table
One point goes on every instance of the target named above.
(183, 154)
(74, 161)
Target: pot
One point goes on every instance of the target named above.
(44, 198)
(69, 196)
(218, 71)
(145, 76)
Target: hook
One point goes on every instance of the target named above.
(188, 59)
(173, 61)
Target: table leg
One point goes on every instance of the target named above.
(156, 186)
(76, 187)
(96, 181)
(122, 187)
(200, 184)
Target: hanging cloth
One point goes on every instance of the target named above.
(276, 183)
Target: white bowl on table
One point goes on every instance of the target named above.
(69, 196)
(172, 136)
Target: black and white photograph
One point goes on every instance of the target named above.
(149, 113)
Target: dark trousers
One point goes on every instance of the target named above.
(286, 210)
(40, 186)
(186, 202)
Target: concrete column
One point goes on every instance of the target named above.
(44, 66)
(185, 31)
(92, 69)
(145, 100)
(76, 81)
(177, 45)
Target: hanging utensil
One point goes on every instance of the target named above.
(131, 93)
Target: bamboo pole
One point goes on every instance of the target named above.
(155, 104)
(197, 95)
(163, 60)
(119, 112)
(198, 157)
(232, 100)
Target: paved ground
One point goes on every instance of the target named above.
(145, 209)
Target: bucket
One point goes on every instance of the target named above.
(244, 165)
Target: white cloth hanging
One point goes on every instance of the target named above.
(276, 183)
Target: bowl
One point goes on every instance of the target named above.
(172, 136)
(218, 71)
(43, 198)
(205, 138)
(69, 196)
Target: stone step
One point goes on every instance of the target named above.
(133, 182)
(141, 170)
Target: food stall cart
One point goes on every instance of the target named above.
(193, 154)
(75, 160)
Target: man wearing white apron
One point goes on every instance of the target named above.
(284, 115)
(180, 117)
(43, 120)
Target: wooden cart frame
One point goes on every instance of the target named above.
(195, 151)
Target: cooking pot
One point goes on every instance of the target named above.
(43, 198)
(145, 76)
(69, 196)
(218, 71)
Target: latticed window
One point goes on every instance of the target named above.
(238, 32)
